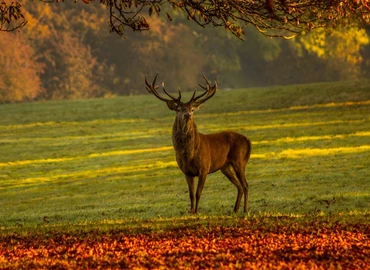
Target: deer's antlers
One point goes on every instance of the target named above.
(152, 88)
(210, 91)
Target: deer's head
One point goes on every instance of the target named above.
(184, 110)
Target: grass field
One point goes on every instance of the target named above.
(109, 163)
(111, 160)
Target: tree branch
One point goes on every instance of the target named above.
(274, 18)
(11, 17)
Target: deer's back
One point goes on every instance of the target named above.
(226, 147)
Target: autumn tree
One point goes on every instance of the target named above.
(74, 56)
(20, 69)
(365, 55)
(73, 71)
(271, 17)
(341, 49)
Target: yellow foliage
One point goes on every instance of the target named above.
(341, 44)
(34, 27)
(341, 47)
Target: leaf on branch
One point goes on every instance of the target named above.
(169, 17)
(157, 9)
(275, 17)
(11, 16)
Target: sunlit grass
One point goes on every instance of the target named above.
(313, 138)
(111, 161)
(94, 155)
(309, 152)
(286, 153)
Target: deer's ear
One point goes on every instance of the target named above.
(171, 105)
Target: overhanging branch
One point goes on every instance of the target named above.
(274, 18)
(11, 17)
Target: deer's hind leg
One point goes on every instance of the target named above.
(240, 173)
(229, 171)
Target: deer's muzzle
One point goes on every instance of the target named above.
(187, 116)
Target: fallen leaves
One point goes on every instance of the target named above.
(242, 246)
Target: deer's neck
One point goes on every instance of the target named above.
(185, 138)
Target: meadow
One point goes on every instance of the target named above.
(109, 163)
(108, 160)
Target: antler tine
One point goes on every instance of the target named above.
(192, 97)
(210, 91)
(171, 96)
(152, 88)
(204, 87)
(208, 83)
(179, 92)
(208, 96)
(198, 97)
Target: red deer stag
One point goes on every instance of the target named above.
(198, 154)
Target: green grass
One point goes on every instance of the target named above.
(109, 161)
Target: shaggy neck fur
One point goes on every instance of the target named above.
(185, 138)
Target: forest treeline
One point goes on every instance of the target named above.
(67, 52)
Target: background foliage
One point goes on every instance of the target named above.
(65, 52)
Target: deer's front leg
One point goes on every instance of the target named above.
(190, 181)
(202, 179)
